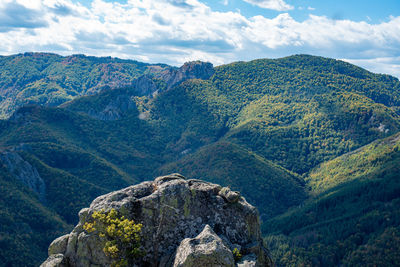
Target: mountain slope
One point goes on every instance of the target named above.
(273, 188)
(26, 225)
(50, 79)
(352, 218)
(258, 126)
(297, 117)
(371, 160)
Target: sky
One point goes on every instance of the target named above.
(366, 33)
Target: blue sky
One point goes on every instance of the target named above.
(366, 33)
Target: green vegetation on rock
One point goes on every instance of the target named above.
(121, 236)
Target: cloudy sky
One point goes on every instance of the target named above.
(364, 32)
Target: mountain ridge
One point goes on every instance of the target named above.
(260, 127)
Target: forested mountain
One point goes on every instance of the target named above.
(50, 79)
(302, 137)
(352, 216)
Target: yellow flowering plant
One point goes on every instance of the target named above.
(236, 254)
(121, 236)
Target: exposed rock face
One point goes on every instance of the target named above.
(189, 70)
(25, 172)
(114, 110)
(145, 85)
(183, 220)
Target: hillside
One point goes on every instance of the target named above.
(352, 217)
(262, 127)
(372, 160)
(50, 79)
(300, 114)
(26, 225)
(270, 186)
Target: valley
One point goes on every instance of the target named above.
(312, 142)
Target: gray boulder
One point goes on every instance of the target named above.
(55, 260)
(248, 261)
(171, 209)
(206, 249)
(59, 245)
(229, 195)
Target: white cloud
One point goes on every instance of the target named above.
(174, 31)
(31, 4)
(386, 65)
(321, 34)
(278, 5)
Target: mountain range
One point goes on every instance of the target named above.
(312, 142)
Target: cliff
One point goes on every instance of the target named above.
(184, 223)
(23, 171)
(189, 70)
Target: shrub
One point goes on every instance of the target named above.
(236, 255)
(121, 236)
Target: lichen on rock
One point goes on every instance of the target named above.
(174, 211)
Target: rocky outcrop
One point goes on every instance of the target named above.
(189, 70)
(114, 110)
(185, 223)
(25, 172)
(55, 260)
(145, 85)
